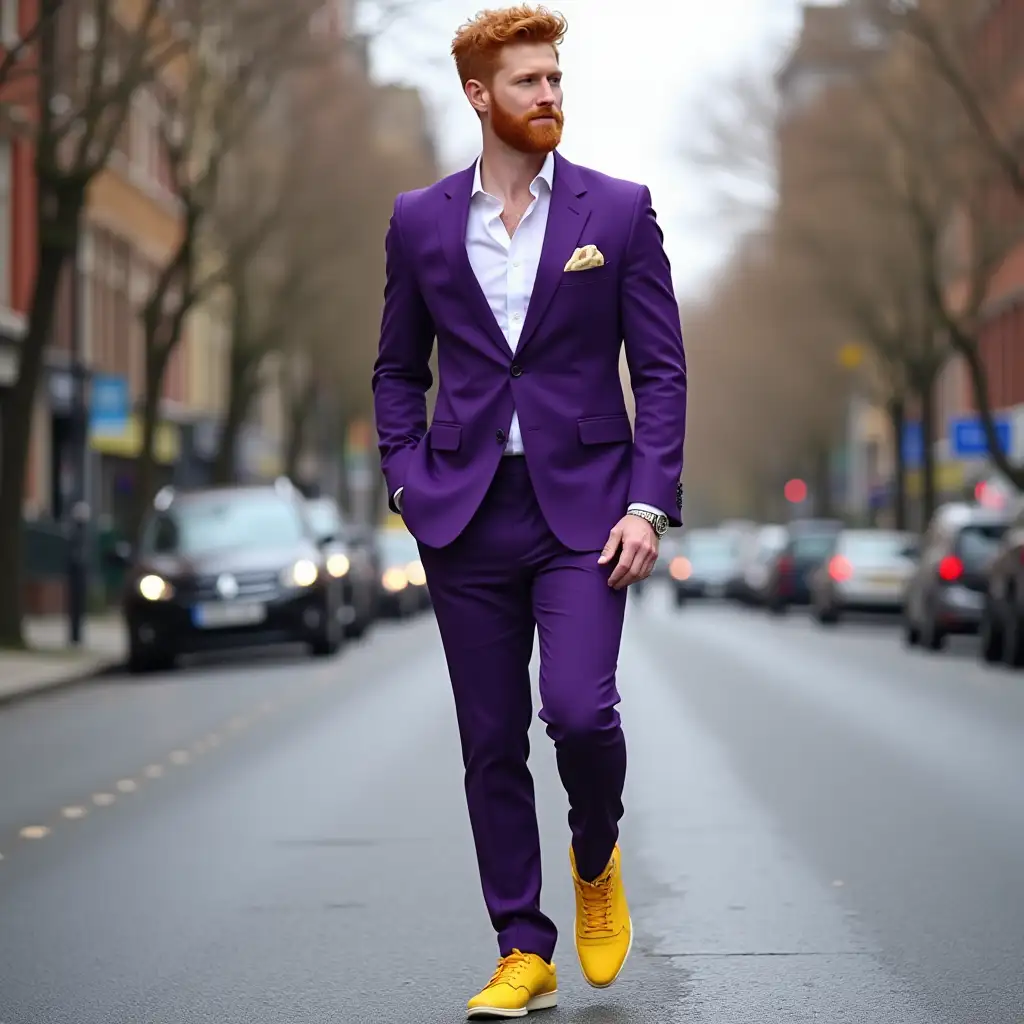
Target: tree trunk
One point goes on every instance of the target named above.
(926, 399)
(301, 408)
(59, 219)
(896, 407)
(240, 399)
(157, 357)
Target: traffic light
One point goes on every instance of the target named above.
(795, 491)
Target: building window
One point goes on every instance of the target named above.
(6, 232)
(10, 30)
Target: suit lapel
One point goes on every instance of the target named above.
(452, 220)
(567, 219)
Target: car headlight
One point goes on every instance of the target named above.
(303, 573)
(338, 565)
(155, 588)
(415, 574)
(394, 580)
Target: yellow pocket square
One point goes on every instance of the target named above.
(585, 258)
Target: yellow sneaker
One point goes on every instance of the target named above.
(604, 930)
(523, 982)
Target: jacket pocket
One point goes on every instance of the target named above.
(445, 437)
(605, 429)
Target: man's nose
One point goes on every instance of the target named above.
(547, 96)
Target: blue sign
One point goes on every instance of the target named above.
(111, 405)
(967, 437)
(913, 444)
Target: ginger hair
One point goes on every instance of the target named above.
(478, 44)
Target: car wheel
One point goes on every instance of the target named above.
(827, 616)
(911, 634)
(990, 636)
(932, 637)
(1013, 647)
(679, 598)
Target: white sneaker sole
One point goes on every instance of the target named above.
(607, 984)
(548, 1001)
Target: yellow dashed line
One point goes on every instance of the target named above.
(179, 757)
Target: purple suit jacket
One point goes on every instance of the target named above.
(563, 381)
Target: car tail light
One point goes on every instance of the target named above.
(785, 565)
(951, 569)
(839, 569)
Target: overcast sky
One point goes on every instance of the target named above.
(634, 91)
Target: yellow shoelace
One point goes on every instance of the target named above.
(597, 904)
(509, 968)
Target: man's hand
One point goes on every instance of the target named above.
(639, 543)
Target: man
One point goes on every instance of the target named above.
(533, 504)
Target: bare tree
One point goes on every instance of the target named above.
(241, 52)
(89, 58)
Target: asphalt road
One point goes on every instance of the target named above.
(821, 827)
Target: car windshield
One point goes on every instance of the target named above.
(398, 547)
(875, 547)
(813, 545)
(220, 522)
(710, 549)
(324, 518)
(977, 545)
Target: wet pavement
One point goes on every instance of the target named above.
(821, 826)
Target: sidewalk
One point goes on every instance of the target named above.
(52, 662)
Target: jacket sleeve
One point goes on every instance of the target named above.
(401, 373)
(653, 340)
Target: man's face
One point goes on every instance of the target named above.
(524, 100)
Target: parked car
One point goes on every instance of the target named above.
(808, 543)
(948, 591)
(347, 560)
(402, 583)
(1002, 616)
(704, 565)
(865, 571)
(227, 567)
(756, 555)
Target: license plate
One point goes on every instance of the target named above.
(884, 579)
(225, 614)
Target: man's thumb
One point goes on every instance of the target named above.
(613, 542)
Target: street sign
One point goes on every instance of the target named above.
(110, 407)
(913, 444)
(967, 437)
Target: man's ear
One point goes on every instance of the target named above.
(478, 95)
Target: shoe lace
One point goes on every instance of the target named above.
(509, 968)
(597, 904)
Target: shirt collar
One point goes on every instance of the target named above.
(547, 175)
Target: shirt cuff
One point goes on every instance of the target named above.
(397, 498)
(646, 508)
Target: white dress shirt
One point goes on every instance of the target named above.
(506, 268)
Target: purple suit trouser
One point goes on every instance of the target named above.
(503, 577)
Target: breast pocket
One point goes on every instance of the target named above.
(596, 277)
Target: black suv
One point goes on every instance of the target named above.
(228, 567)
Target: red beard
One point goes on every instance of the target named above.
(525, 133)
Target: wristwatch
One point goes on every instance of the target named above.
(660, 523)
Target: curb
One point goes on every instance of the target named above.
(99, 671)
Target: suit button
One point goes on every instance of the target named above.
(517, 370)
(500, 437)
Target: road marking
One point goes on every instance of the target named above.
(74, 811)
(154, 771)
(127, 785)
(838, 883)
(213, 739)
(180, 756)
(239, 722)
(103, 799)
(34, 832)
